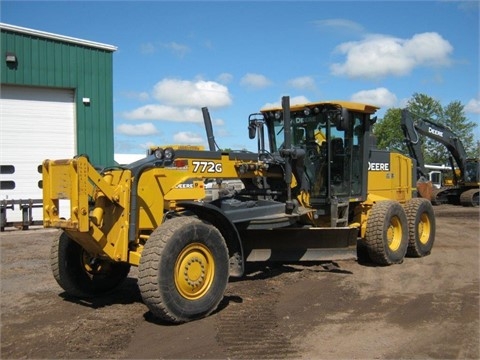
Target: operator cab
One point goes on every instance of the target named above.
(333, 139)
(472, 170)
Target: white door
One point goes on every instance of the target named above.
(35, 124)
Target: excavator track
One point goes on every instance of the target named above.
(439, 197)
(470, 197)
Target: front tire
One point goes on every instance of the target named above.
(421, 227)
(80, 274)
(387, 233)
(183, 270)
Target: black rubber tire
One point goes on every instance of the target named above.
(71, 268)
(163, 270)
(387, 233)
(421, 227)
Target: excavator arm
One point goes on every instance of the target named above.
(436, 132)
(413, 143)
(466, 189)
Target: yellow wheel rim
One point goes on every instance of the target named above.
(87, 260)
(194, 271)
(424, 229)
(93, 265)
(394, 234)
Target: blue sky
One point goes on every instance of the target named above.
(236, 57)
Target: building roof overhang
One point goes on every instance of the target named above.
(57, 37)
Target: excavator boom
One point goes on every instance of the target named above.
(466, 189)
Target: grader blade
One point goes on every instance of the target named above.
(300, 244)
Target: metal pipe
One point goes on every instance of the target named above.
(287, 151)
(208, 127)
(141, 165)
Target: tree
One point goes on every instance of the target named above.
(389, 133)
(422, 106)
(455, 119)
(390, 136)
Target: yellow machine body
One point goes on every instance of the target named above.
(94, 208)
(112, 214)
(317, 191)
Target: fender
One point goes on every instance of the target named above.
(217, 217)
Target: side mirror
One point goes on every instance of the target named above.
(255, 121)
(252, 130)
(342, 120)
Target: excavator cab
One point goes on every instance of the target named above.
(472, 172)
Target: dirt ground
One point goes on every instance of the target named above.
(423, 308)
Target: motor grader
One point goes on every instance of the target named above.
(317, 192)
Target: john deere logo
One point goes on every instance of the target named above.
(378, 166)
(435, 131)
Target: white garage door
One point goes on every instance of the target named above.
(35, 124)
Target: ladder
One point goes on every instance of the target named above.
(339, 212)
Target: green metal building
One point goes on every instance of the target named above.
(56, 101)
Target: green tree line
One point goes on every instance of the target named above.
(390, 136)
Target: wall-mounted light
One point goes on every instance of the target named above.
(86, 101)
(11, 58)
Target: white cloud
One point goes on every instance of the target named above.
(147, 145)
(255, 81)
(147, 48)
(339, 24)
(208, 44)
(403, 103)
(429, 48)
(222, 132)
(187, 137)
(380, 97)
(143, 129)
(469, 6)
(218, 122)
(140, 96)
(377, 56)
(225, 78)
(197, 93)
(164, 113)
(473, 106)
(294, 100)
(177, 49)
(302, 83)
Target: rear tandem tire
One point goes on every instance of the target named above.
(183, 270)
(80, 274)
(387, 233)
(421, 227)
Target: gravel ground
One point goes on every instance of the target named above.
(423, 308)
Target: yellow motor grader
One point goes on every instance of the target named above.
(320, 189)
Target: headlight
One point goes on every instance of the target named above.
(159, 153)
(169, 153)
